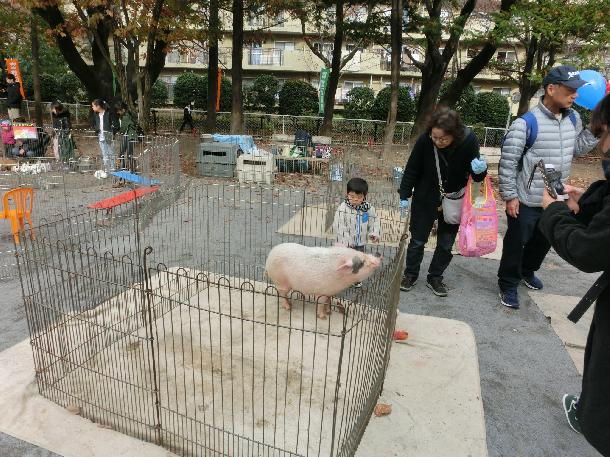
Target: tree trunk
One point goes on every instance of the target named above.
(335, 72)
(237, 109)
(432, 79)
(36, 70)
(466, 75)
(213, 33)
(396, 38)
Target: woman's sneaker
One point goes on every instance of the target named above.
(407, 283)
(437, 287)
(570, 407)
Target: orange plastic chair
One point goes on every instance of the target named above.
(17, 206)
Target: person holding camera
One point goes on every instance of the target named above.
(551, 131)
(579, 231)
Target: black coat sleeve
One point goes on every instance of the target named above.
(413, 168)
(584, 246)
(472, 143)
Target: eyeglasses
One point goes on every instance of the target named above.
(441, 139)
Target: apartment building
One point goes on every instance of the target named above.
(282, 52)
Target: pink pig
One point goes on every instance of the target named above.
(318, 271)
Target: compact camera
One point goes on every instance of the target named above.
(551, 177)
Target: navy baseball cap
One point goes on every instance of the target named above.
(566, 75)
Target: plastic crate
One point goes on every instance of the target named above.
(257, 169)
(218, 153)
(218, 170)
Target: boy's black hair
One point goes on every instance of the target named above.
(358, 185)
(10, 76)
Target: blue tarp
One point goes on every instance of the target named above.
(127, 176)
(245, 142)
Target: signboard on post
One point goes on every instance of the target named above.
(12, 66)
(324, 75)
(25, 131)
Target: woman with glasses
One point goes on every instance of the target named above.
(441, 161)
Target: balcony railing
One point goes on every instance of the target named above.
(266, 56)
(191, 58)
(386, 65)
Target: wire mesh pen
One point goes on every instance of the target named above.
(164, 326)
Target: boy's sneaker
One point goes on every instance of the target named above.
(510, 298)
(358, 285)
(570, 406)
(436, 285)
(533, 283)
(407, 283)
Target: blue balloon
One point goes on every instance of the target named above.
(589, 95)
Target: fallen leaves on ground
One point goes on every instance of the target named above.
(382, 409)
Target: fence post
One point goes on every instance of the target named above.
(284, 125)
(171, 111)
(402, 135)
(485, 138)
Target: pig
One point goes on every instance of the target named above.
(319, 271)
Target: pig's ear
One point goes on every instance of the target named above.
(347, 264)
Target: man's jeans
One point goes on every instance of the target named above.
(107, 156)
(445, 237)
(524, 248)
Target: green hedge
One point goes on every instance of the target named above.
(492, 109)
(381, 106)
(298, 98)
(194, 87)
(359, 104)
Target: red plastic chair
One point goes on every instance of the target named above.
(17, 206)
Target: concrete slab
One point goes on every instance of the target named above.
(434, 388)
(432, 384)
(32, 418)
(573, 336)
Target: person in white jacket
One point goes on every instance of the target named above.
(355, 219)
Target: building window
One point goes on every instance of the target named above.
(265, 56)
(504, 91)
(506, 56)
(347, 86)
(285, 45)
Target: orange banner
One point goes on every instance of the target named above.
(12, 66)
(218, 90)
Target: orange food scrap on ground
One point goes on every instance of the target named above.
(382, 409)
(401, 335)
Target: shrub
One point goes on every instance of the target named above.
(190, 87)
(466, 105)
(381, 106)
(298, 98)
(158, 94)
(193, 87)
(492, 109)
(263, 93)
(585, 114)
(360, 102)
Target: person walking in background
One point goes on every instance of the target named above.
(13, 97)
(447, 152)
(187, 118)
(103, 124)
(355, 220)
(63, 145)
(8, 138)
(552, 131)
(128, 135)
(579, 231)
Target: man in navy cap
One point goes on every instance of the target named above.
(551, 131)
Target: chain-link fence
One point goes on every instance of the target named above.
(263, 126)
